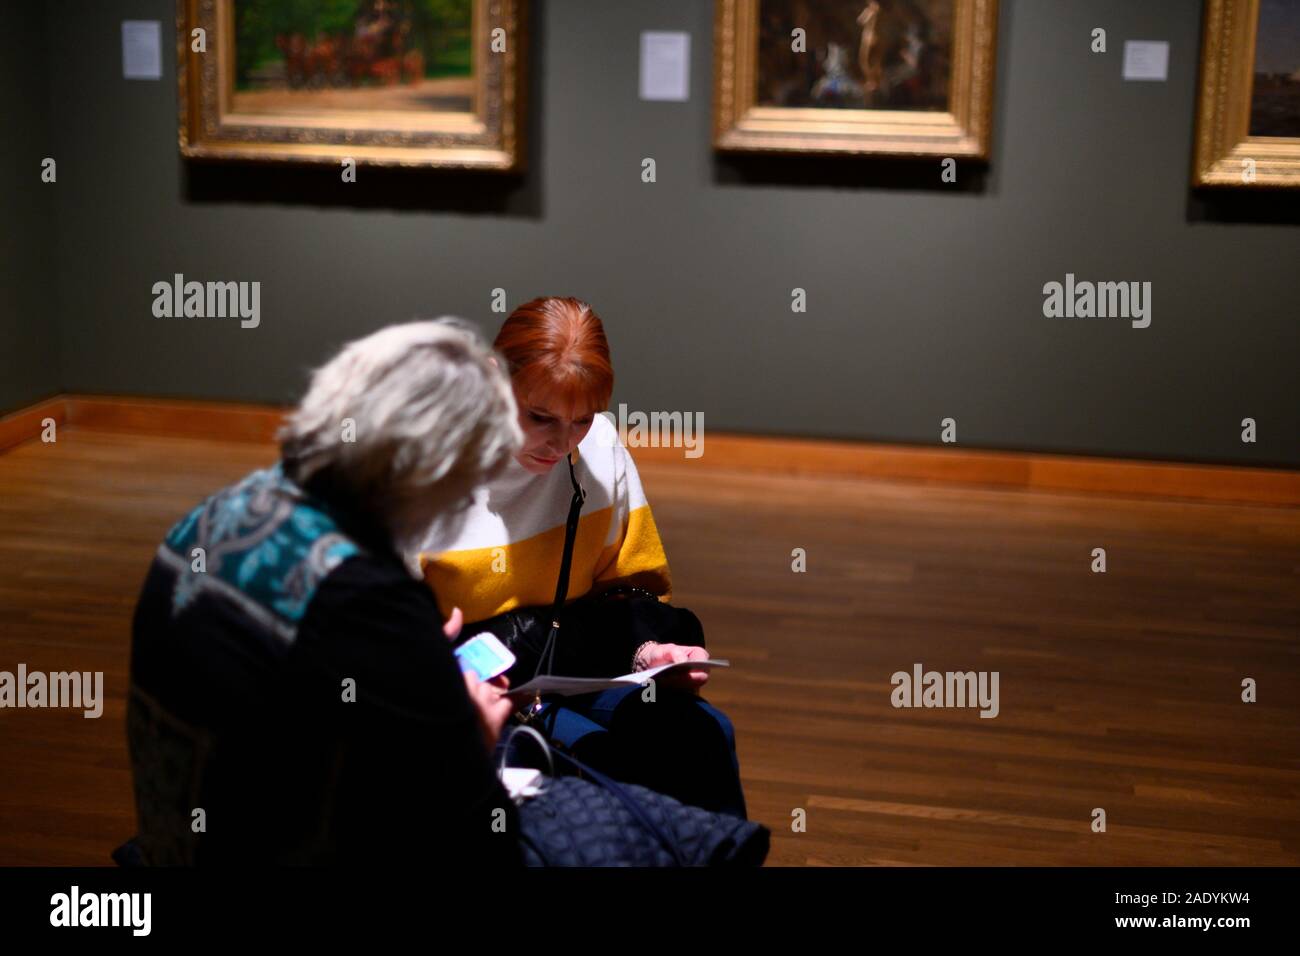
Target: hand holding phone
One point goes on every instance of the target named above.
(484, 656)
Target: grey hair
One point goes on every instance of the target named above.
(431, 416)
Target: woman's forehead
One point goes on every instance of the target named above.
(557, 405)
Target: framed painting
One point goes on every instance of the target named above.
(432, 83)
(1248, 109)
(886, 77)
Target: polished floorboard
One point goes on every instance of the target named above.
(1119, 691)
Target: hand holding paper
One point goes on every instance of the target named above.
(656, 655)
(571, 686)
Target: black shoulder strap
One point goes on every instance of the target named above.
(562, 584)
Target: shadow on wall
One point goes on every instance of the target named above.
(1264, 206)
(847, 172)
(321, 184)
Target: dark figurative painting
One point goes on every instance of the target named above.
(863, 54)
(906, 78)
(1275, 97)
(1248, 106)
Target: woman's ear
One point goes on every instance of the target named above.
(493, 360)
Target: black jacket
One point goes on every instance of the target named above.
(239, 715)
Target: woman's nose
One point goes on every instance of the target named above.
(563, 436)
(557, 440)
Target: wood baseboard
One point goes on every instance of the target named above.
(1040, 472)
(214, 421)
(27, 423)
(728, 452)
(218, 421)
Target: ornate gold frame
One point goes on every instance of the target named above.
(490, 137)
(1223, 144)
(965, 130)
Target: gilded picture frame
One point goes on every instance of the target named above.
(1226, 152)
(961, 127)
(486, 134)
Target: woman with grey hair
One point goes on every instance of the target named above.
(292, 694)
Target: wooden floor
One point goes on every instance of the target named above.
(1118, 690)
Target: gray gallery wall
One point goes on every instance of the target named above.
(29, 369)
(925, 301)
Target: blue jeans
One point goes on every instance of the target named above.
(678, 744)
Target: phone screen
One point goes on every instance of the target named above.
(486, 656)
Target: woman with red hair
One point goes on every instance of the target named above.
(573, 487)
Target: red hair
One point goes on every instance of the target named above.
(555, 346)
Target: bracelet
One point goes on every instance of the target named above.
(636, 655)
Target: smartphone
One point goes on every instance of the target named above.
(485, 656)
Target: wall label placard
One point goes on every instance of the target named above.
(141, 50)
(665, 66)
(1146, 60)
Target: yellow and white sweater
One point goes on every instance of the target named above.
(507, 552)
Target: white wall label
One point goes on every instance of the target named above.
(141, 49)
(665, 66)
(1146, 60)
